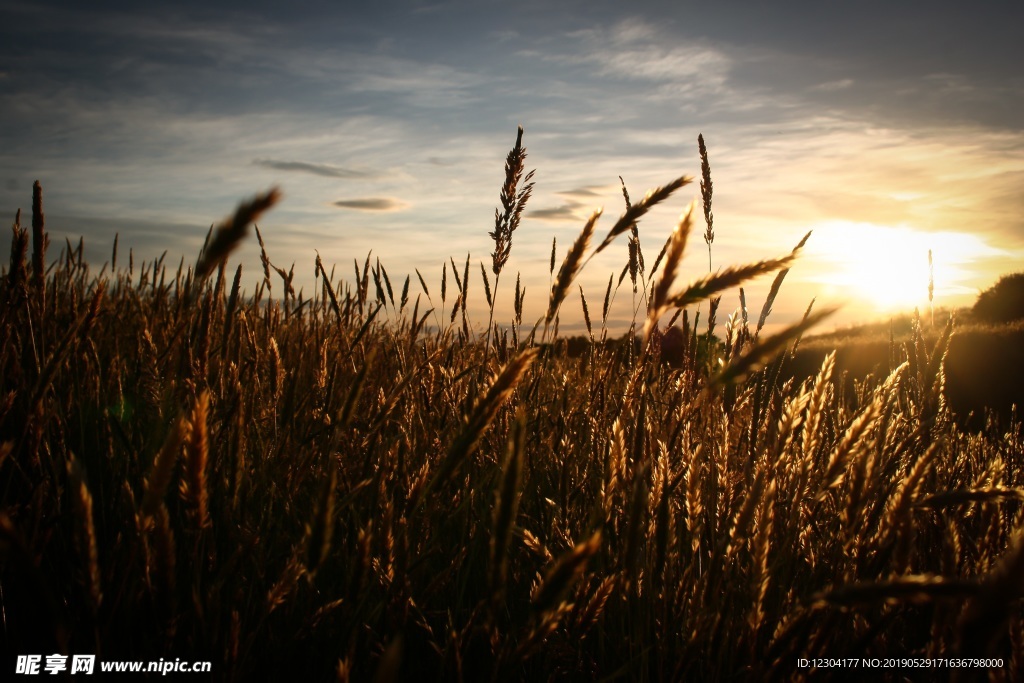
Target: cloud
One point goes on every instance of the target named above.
(573, 210)
(832, 86)
(584, 192)
(635, 50)
(418, 82)
(316, 169)
(504, 36)
(565, 212)
(372, 204)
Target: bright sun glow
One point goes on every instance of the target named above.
(887, 267)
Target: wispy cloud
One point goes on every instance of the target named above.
(584, 192)
(565, 212)
(635, 50)
(504, 36)
(578, 205)
(325, 170)
(418, 82)
(372, 204)
(831, 86)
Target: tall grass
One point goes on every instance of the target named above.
(297, 487)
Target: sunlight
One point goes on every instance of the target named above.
(887, 266)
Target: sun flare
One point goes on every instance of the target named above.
(887, 267)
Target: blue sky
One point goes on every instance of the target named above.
(888, 130)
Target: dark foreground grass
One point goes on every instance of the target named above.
(292, 488)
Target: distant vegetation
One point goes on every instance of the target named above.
(983, 363)
(1003, 302)
(331, 488)
(981, 366)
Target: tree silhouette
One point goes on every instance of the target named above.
(1003, 301)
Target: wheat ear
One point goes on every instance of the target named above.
(233, 230)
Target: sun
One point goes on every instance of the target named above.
(887, 267)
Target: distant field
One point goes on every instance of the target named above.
(984, 368)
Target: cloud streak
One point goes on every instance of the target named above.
(565, 212)
(324, 170)
(371, 204)
(584, 192)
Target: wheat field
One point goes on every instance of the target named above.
(363, 485)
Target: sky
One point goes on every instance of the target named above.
(887, 129)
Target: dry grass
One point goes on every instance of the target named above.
(296, 488)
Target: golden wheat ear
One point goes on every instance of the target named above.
(230, 232)
(571, 266)
(915, 588)
(481, 418)
(86, 532)
(754, 358)
(163, 467)
(776, 285)
(673, 252)
(564, 573)
(634, 212)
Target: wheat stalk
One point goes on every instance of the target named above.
(506, 505)
(914, 588)
(564, 574)
(570, 268)
(86, 532)
(233, 230)
(706, 190)
(318, 534)
(480, 419)
(636, 211)
(40, 240)
(194, 485)
(163, 467)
